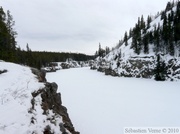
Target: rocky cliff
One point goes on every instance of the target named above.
(52, 107)
(138, 67)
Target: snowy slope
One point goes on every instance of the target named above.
(127, 51)
(124, 62)
(16, 115)
(100, 104)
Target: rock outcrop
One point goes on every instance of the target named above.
(41, 75)
(138, 67)
(51, 101)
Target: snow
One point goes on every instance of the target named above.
(17, 84)
(127, 52)
(99, 104)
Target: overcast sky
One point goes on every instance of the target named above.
(76, 25)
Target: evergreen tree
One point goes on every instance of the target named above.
(143, 25)
(177, 24)
(151, 37)
(160, 70)
(149, 20)
(2, 32)
(107, 50)
(171, 18)
(7, 37)
(27, 48)
(125, 39)
(170, 46)
(139, 44)
(163, 14)
(136, 38)
(101, 52)
(10, 24)
(157, 40)
(145, 43)
(168, 7)
(165, 35)
(134, 45)
(130, 33)
(96, 54)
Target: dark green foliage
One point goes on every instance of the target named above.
(177, 24)
(39, 59)
(125, 39)
(136, 38)
(7, 36)
(145, 42)
(149, 20)
(160, 70)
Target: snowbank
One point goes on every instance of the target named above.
(22, 108)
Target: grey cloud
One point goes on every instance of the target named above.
(76, 24)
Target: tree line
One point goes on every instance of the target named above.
(10, 52)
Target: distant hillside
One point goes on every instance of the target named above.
(150, 50)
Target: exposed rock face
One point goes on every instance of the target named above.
(138, 67)
(41, 75)
(51, 100)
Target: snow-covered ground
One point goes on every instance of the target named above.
(99, 104)
(16, 87)
(16, 113)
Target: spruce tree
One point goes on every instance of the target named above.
(143, 25)
(160, 70)
(171, 36)
(145, 43)
(157, 40)
(2, 32)
(165, 30)
(149, 19)
(177, 24)
(7, 37)
(125, 39)
(12, 33)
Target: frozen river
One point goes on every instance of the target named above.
(99, 104)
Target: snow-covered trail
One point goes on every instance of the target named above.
(99, 104)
